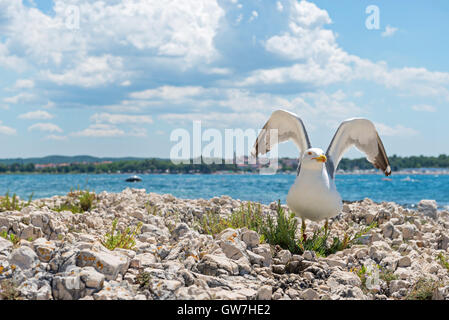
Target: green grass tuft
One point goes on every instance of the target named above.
(249, 216)
(116, 239)
(78, 201)
(423, 289)
(13, 203)
(11, 237)
(443, 261)
(280, 230)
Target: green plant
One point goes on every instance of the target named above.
(283, 234)
(151, 209)
(13, 203)
(116, 239)
(282, 231)
(8, 290)
(423, 289)
(11, 237)
(443, 261)
(78, 201)
(387, 276)
(143, 279)
(249, 216)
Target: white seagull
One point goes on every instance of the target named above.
(314, 195)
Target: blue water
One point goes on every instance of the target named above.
(405, 190)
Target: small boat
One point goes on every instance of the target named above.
(134, 179)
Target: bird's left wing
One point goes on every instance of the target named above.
(288, 126)
(362, 134)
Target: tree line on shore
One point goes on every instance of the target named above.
(167, 166)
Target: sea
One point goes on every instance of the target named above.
(406, 190)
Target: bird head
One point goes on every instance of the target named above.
(314, 157)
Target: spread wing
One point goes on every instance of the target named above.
(362, 134)
(289, 127)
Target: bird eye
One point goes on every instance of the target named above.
(309, 153)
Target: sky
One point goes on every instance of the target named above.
(116, 78)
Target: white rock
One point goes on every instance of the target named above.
(251, 238)
(24, 257)
(404, 262)
(264, 292)
(284, 256)
(92, 278)
(310, 294)
(428, 208)
(108, 264)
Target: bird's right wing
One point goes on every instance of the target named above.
(362, 134)
(288, 126)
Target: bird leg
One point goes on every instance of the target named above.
(326, 227)
(303, 230)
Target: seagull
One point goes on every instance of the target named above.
(314, 195)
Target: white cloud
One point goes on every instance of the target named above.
(318, 61)
(7, 130)
(121, 118)
(56, 137)
(24, 84)
(389, 31)
(424, 108)
(398, 130)
(36, 115)
(45, 127)
(20, 98)
(91, 72)
(279, 6)
(100, 131)
(254, 15)
(168, 93)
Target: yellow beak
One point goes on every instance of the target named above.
(321, 158)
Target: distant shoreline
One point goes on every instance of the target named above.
(401, 173)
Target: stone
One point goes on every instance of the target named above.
(180, 230)
(108, 264)
(428, 208)
(233, 248)
(346, 278)
(44, 248)
(309, 255)
(284, 256)
(408, 231)
(255, 258)
(264, 292)
(31, 232)
(310, 294)
(443, 242)
(68, 285)
(396, 285)
(251, 238)
(5, 244)
(404, 262)
(264, 251)
(388, 230)
(92, 278)
(210, 264)
(143, 260)
(23, 257)
(278, 268)
(335, 263)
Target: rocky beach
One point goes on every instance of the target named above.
(47, 252)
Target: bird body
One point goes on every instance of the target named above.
(314, 195)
